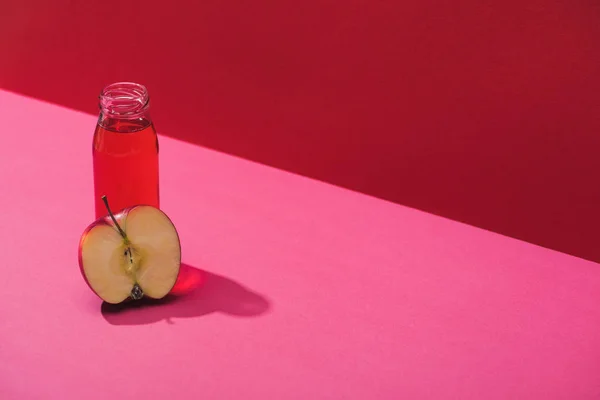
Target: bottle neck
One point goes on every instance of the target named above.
(124, 107)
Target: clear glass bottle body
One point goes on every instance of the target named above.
(125, 150)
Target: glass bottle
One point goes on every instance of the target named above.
(125, 149)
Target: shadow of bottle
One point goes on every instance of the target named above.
(196, 293)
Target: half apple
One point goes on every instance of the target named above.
(130, 255)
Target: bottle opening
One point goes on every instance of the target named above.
(124, 100)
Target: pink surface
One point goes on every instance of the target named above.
(483, 111)
(309, 291)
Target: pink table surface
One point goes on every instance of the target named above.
(296, 289)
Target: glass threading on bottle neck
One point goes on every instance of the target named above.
(124, 102)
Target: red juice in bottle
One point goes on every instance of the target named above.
(125, 149)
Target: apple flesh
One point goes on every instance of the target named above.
(130, 255)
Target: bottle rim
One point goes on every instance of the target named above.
(124, 100)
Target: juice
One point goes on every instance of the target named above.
(125, 157)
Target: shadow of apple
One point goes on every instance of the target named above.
(196, 293)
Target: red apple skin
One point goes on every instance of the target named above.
(108, 221)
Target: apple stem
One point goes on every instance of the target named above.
(121, 231)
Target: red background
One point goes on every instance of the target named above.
(486, 112)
